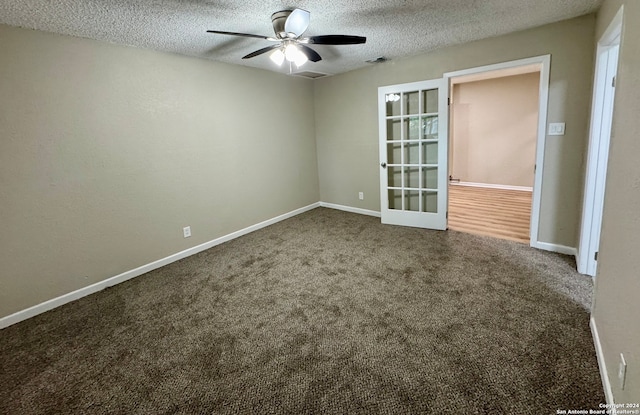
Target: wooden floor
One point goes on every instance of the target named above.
(492, 212)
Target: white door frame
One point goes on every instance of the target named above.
(598, 152)
(543, 97)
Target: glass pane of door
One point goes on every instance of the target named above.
(413, 170)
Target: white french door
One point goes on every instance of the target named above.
(413, 121)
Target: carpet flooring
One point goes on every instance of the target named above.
(325, 313)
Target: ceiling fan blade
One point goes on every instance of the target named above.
(337, 40)
(297, 22)
(311, 54)
(260, 51)
(240, 34)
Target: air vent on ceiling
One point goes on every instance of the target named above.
(310, 75)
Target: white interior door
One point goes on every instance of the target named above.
(598, 155)
(413, 122)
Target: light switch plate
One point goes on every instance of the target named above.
(556, 128)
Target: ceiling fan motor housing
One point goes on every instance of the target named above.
(278, 19)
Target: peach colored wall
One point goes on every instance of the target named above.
(494, 128)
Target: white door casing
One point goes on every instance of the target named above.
(544, 62)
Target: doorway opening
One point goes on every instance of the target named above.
(492, 145)
(497, 134)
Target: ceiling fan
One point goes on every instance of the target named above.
(289, 26)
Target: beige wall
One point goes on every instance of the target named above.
(617, 290)
(494, 124)
(107, 151)
(347, 127)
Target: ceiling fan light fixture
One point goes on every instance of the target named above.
(300, 60)
(277, 57)
(296, 23)
(293, 54)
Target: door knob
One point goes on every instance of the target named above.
(384, 165)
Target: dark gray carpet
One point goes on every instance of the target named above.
(327, 312)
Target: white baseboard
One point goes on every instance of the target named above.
(493, 186)
(561, 249)
(604, 375)
(101, 285)
(351, 209)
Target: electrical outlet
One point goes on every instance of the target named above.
(622, 371)
(361, 195)
(186, 231)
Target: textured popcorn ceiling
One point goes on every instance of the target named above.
(394, 28)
